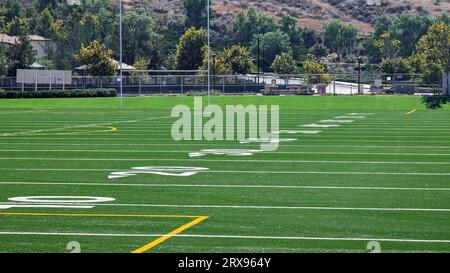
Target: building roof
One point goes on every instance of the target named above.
(6, 39)
(37, 38)
(14, 40)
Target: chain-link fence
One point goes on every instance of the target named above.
(267, 84)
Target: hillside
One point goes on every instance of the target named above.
(310, 13)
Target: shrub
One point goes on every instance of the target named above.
(69, 93)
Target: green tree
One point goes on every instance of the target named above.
(388, 46)
(316, 73)
(310, 37)
(271, 45)
(246, 26)
(40, 5)
(408, 28)
(11, 9)
(3, 60)
(190, 49)
(219, 67)
(289, 26)
(16, 26)
(22, 55)
(97, 58)
(339, 37)
(196, 13)
(141, 39)
(432, 55)
(43, 23)
(396, 66)
(284, 64)
(237, 58)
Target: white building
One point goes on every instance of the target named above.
(38, 43)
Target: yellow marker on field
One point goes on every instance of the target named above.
(411, 112)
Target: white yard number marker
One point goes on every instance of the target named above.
(161, 170)
(231, 152)
(60, 202)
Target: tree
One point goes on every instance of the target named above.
(16, 26)
(237, 58)
(432, 55)
(315, 72)
(140, 64)
(388, 46)
(339, 37)
(218, 67)
(97, 58)
(141, 40)
(318, 51)
(408, 28)
(284, 64)
(190, 49)
(40, 5)
(43, 23)
(254, 23)
(196, 13)
(21, 56)
(271, 45)
(11, 9)
(289, 26)
(3, 60)
(396, 66)
(310, 37)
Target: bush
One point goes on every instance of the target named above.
(69, 93)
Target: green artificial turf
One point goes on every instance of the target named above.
(384, 178)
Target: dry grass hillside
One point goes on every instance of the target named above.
(310, 13)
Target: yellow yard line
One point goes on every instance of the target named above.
(411, 112)
(169, 235)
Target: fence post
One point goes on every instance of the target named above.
(181, 83)
(64, 80)
(23, 81)
(334, 85)
(50, 79)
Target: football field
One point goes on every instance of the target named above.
(83, 175)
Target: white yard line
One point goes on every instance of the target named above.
(193, 144)
(245, 207)
(276, 161)
(187, 151)
(227, 186)
(237, 171)
(291, 238)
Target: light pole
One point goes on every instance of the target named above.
(209, 50)
(120, 53)
(259, 65)
(359, 74)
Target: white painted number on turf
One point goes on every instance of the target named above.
(374, 247)
(73, 247)
(60, 202)
(166, 171)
